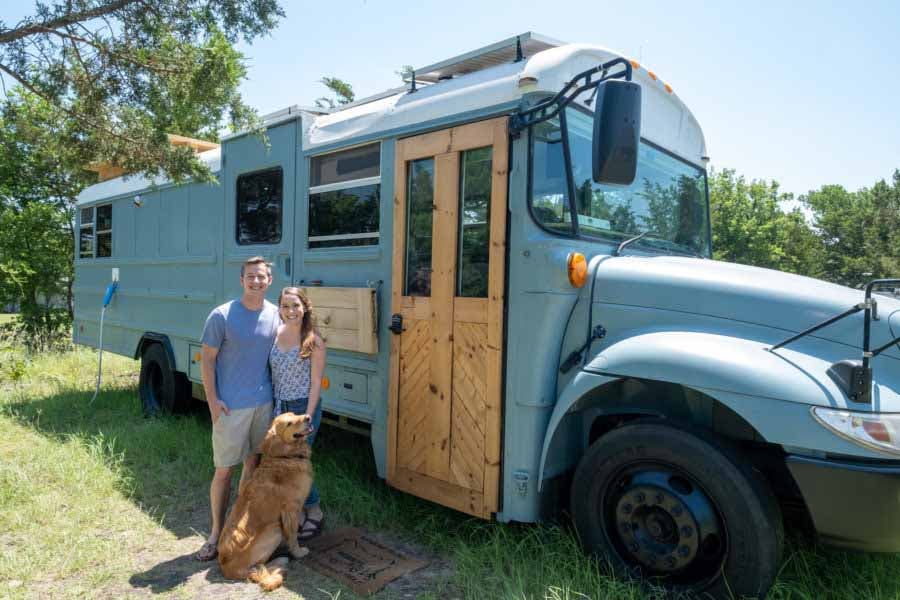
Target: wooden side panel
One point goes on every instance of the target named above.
(346, 317)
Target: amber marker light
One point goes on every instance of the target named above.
(668, 88)
(325, 383)
(197, 357)
(577, 267)
(635, 64)
(652, 75)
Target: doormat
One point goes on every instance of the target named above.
(354, 557)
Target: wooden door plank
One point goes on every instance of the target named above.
(435, 490)
(473, 135)
(399, 249)
(470, 310)
(443, 278)
(422, 146)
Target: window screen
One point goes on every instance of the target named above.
(259, 207)
(344, 198)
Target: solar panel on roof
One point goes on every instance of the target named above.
(499, 53)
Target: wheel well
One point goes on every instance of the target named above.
(150, 338)
(627, 400)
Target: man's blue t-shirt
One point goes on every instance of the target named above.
(244, 338)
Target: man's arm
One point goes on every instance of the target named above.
(208, 374)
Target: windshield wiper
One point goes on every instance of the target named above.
(656, 238)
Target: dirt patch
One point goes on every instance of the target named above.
(167, 568)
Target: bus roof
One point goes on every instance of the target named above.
(490, 78)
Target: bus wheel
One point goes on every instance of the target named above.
(160, 388)
(678, 509)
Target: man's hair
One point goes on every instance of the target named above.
(256, 260)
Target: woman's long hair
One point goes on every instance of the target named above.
(308, 331)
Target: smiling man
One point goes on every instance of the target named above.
(236, 342)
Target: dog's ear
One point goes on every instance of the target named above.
(272, 441)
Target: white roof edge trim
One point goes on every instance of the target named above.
(553, 69)
(128, 184)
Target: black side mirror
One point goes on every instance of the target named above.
(617, 131)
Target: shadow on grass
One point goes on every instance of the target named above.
(165, 465)
(170, 574)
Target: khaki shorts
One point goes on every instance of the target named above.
(238, 434)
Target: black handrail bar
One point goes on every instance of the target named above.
(846, 313)
(856, 378)
(542, 110)
(867, 354)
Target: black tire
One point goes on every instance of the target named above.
(162, 390)
(680, 509)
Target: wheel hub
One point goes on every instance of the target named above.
(664, 522)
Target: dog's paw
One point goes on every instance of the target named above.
(300, 552)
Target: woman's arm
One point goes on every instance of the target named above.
(317, 369)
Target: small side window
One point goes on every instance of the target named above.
(344, 198)
(104, 230)
(259, 207)
(86, 233)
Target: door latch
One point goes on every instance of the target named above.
(396, 325)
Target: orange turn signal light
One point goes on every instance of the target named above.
(325, 383)
(576, 265)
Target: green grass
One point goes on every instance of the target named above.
(7, 318)
(86, 490)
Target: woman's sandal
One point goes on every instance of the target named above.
(308, 533)
(207, 552)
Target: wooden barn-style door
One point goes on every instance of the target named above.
(444, 410)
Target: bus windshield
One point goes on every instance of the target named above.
(667, 198)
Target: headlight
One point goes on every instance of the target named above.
(876, 431)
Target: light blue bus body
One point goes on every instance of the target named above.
(686, 338)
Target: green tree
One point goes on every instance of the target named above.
(750, 227)
(39, 164)
(860, 231)
(343, 93)
(36, 269)
(127, 72)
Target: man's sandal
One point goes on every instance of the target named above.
(308, 533)
(206, 552)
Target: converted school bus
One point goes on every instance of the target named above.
(519, 306)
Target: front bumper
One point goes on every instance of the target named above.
(853, 505)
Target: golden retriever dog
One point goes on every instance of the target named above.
(267, 511)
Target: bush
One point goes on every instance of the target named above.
(39, 329)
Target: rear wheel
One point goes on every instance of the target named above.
(680, 509)
(162, 390)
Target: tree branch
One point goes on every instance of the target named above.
(53, 103)
(66, 19)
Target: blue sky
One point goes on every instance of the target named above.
(806, 93)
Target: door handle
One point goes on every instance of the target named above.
(396, 325)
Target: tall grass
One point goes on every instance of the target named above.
(86, 489)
